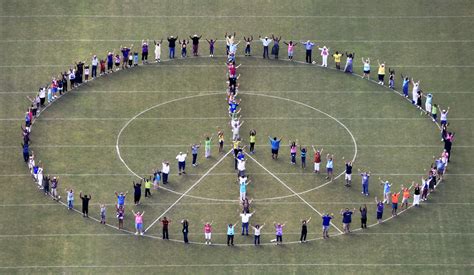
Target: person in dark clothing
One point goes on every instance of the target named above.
(195, 38)
(304, 230)
(46, 180)
(137, 192)
(26, 151)
(363, 216)
(79, 72)
(185, 230)
(172, 45)
(85, 204)
(165, 222)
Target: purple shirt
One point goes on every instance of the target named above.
(145, 48)
(279, 230)
(380, 207)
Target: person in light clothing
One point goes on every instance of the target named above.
(317, 158)
(265, 41)
(181, 157)
(243, 182)
(138, 222)
(158, 50)
(208, 232)
(165, 170)
(366, 68)
(324, 55)
(256, 233)
(245, 222)
(386, 190)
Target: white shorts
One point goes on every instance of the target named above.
(416, 199)
(428, 107)
(242, 196)
(348, 176)
(316, 166)
(207, 236)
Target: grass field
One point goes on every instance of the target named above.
(144, 115)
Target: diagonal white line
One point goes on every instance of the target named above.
(189, 189)
(291, 190)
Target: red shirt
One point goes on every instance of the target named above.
(165, 223)
(317, 157)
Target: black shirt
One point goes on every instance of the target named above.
(195, 40)
(85, 202)
(137, 188)
(172, 42)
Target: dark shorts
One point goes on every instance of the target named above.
(367, 72)
(394, 205)
(329, 170)
(381, 77)
(275, 151)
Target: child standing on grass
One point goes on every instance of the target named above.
(158, 50)
(102, 213)
(391, 79)
(366, 68)
(211, 46)
(386, 190)
(220, 137)
(138, 222)
(86, 75)
(135, 59)
(349, 60)
(184, 45)
(363, 216)
(303, 157)
(70, 199)
(381, 72)
(293, 148)
(120, 216)
(208, 232)
(324, 55)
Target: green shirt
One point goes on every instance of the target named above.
(252, 138)
(207, 143)
(148, 184)
(434, 110)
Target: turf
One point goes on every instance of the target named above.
(76, 137)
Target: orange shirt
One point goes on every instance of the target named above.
(406, 193)
(395, 197)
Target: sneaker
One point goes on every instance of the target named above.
(141, 233)
(136, 233)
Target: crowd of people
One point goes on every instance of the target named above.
(83, 71)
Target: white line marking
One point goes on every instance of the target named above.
(189, 189)
(289, 188)
(237, 265)
(103, 16)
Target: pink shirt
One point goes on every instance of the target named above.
(138, 219)
(290, 47)
(293, 149)
(207, 228)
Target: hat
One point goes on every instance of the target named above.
(444, 111)
(180, 153)
(266, 37)
(195, 35)
(171, 36)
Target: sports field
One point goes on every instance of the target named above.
(105, 134)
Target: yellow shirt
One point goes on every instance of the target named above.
(382, 70)
(252, 138)
(337, 57)
(236, 144)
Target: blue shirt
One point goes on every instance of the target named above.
(329, 164)
(429, 98)
(326, 220)
(233, 107)
(380, 207)
(120, 199)
(405, 84)
(230, 230)
(303, 154)
(386, 187)
(347, 217)
(275, 144)
(194, 150)
(243, 188)
(365, 179)
(308, 46)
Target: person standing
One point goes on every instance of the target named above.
(366, 68)
(185, 230)
(365, 183)
(137, 192)
(405, 85)
(329, 166)
(121, 198)
(317, 159)
(279, 232)
(195, 38)
(165, 223)
(416, 195)
(326, 224)
(266, 42)
(444, 117)
(252, 139)
(256, 233)
(145, 51)
(291, 49)
(309, 49)
(349, 62)
(230, 234)
(386, 191)
(347, 219)
(70, 199)
(194, 152)
(303, 156)
(395, 197)
(158, 50)
(120, 216)
(248, 41)
(181, 157)
(406, 195)
(381, 72)
(276, 46)
(220, 137)
(95, 63)
(207, 147)
(380, 206)
(324, 55)
(172, 45)
(363, 216)
(148, 185)
(293, 149)
(138, 222)
(245, 222)
(85, 204)
(208, 232)
(348, 176)
(337, 59)
(165, 170)
(275, 144)
(304, 230)
(243, 182)
(54, 188)
(102, 213)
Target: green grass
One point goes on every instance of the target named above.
(75, 138)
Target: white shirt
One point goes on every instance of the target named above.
(42, 93)
(241, 166)
(256, 231)
(95, 61)
(165, 169)
(266, 42)
(242, 180)
(235, 129)
(181, 157)
(245, 217)
(444, 116)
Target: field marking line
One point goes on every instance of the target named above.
(279, 264)
(214, 174)
(222, 41)
(246, 66)
(189, 189)
(289, 188)
(102, 16)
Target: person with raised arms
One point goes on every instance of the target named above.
(256, 233)
(208, 232)
(265, 42)
(138, 222)
(291, 49)
(275, 145)
(317, 159)
(195, 38)
(326, 224)
(304, 230)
